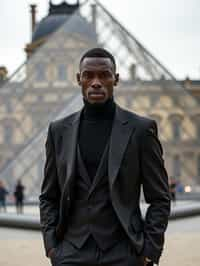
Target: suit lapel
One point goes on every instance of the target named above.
(70, 137)
(120, 135)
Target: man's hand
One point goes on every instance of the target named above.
(147, 261)
(51, 252)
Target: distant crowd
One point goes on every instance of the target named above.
(17, 196)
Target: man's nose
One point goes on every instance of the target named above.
(96, 83)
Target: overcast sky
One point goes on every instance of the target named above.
(169, 29)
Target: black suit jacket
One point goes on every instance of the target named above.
(135, 159)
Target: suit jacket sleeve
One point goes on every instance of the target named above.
(50, 196)
(156, 193)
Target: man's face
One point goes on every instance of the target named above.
(97, 78)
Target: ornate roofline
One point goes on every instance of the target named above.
(63, 8)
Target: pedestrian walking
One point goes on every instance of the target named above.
(19, 197)
(172, 189)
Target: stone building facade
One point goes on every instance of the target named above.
(46, 83)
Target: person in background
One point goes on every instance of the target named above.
(3, 194)
(172, 189)
(19, 197)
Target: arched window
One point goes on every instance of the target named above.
(198, 130)
(62, 72)
(40, 72)
(8, 132)
(176, 129)
(177, 166)
(1, 133)
(9, 126)
(198, 167)
(196, 121)
(176, 123)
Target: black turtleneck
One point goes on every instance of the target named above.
(94, 132)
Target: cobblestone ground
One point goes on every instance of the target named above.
(26, 249)
(181, 249)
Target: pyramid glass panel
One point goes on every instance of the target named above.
(44, 89)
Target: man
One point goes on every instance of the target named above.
(19, 197)
(96, 161)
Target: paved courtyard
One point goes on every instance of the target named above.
(25, 248)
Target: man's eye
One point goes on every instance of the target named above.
(106, 74)
(87, 75)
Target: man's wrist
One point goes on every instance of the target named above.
(147, 259)
(149, 262)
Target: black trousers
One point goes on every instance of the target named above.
(121, 254)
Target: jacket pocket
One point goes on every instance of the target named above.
(136, 223)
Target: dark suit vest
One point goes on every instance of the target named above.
(91, 212)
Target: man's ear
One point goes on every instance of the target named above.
(78, 78)
(116, 79)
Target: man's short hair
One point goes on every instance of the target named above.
(98, 52)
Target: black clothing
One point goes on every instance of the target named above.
(94, 132)
(121, 254)
(172, 189)
(99, 111)
(19, 198)
(91, 213)
(19, 192)
(134, 159)
(3, 193)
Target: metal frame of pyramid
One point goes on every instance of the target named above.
(28, 156)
